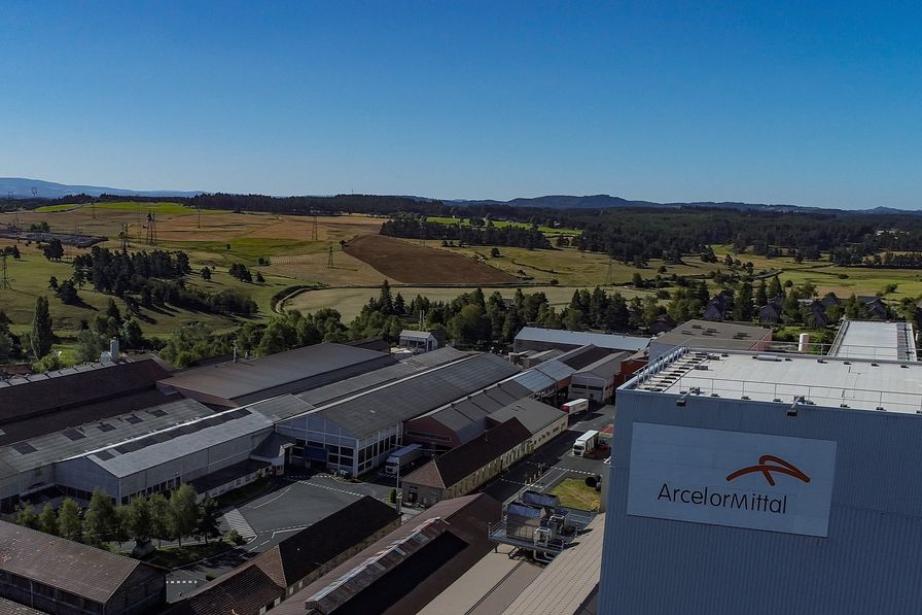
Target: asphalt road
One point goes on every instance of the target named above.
(556, 460)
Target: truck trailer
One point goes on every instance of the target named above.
(401, 458)
(576, 406)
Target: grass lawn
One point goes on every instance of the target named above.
(574, 493)
(175, 557)
(161, 208)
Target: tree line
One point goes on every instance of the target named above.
(157, 517)
(418, 227)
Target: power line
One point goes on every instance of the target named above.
(330, 258)
(4, 277)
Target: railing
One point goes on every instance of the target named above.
(785, 392)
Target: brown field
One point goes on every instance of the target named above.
(412, 263)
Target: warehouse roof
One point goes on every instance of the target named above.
(416, 335)
(569, 580)
(711, 334)
(832, 382)
(261, 580)
(36, 405)
(78, 569)
(74, 440)
(8, 607)
(606, 367)
(578, 358)
(413, 364)
(168, 444)
(236, 380)
(371, 411)
(395, 573)
(531, 413)
(875, 339)
(451, 467)
(582, 338)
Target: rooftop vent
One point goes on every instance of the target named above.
(767, 357)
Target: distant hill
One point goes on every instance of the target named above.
(22, 188)
(605, 201)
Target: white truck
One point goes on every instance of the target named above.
(575, 406)
(586, 443)
(401, 458)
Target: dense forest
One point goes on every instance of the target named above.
(482, 234)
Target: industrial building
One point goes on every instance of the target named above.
(406, 569)
(355, 433)
(763, 484)
(536, 338)
(57, 576)
(711, 334)
(419, 341)
(463, 469)
(598, 380)
(237, 383)
(263, 582)
(875, 339)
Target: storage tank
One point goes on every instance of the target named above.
(803, 344)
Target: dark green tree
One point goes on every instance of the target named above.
(42, 336)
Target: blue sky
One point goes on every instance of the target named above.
(782, 102)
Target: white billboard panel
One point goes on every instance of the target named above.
(747, 480)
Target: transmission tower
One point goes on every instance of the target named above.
(199, 209)
(330, 258)
(316, 233)
(124, 237)
(151, 229)
(34, 192)
(608, 274)
(4, 277)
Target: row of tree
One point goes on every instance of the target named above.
(158, 517)
(418, 227)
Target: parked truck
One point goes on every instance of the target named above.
(401, 458)
(575, 406)
(586, 443)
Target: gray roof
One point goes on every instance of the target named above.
(418, 335)
(606, 367)
(166, 445)
(582, 338)
(63, 564)
(411, 365)
(395, 402)
(875, 339)
(48, 449)
(531, 413)
(711, 334)
(237, 380)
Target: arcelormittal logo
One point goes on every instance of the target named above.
(769, 464)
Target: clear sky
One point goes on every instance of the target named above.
(811, 103)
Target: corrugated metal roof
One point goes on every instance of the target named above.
(153, 450)
(533, 414)
(247, 377)
(383, 407)
(582, 338)
(55, 446)
(63, 564)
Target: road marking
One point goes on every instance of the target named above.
(281, 494)
(297, 528)
(356, 494)
(237, 521)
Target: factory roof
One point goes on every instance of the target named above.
(395, 573)
(458, 463)
(381, 407)
(72, 567)
(823, 381)
(606, 367)
(875, 339)
(69, 441)
(8, 607)
(41, 403)
(271, 572)
(531, 413)
(569, 580)
(578, 358)
(416, 335)
(582, 338)
(149, 451)
(238, 380)
(413, 364)
(712, 334)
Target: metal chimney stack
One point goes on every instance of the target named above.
(113, 350)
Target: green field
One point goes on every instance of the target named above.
(159, 208)
(547, 230)
(575, 493)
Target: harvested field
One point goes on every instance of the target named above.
(415, 264)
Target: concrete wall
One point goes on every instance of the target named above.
(867, 564)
